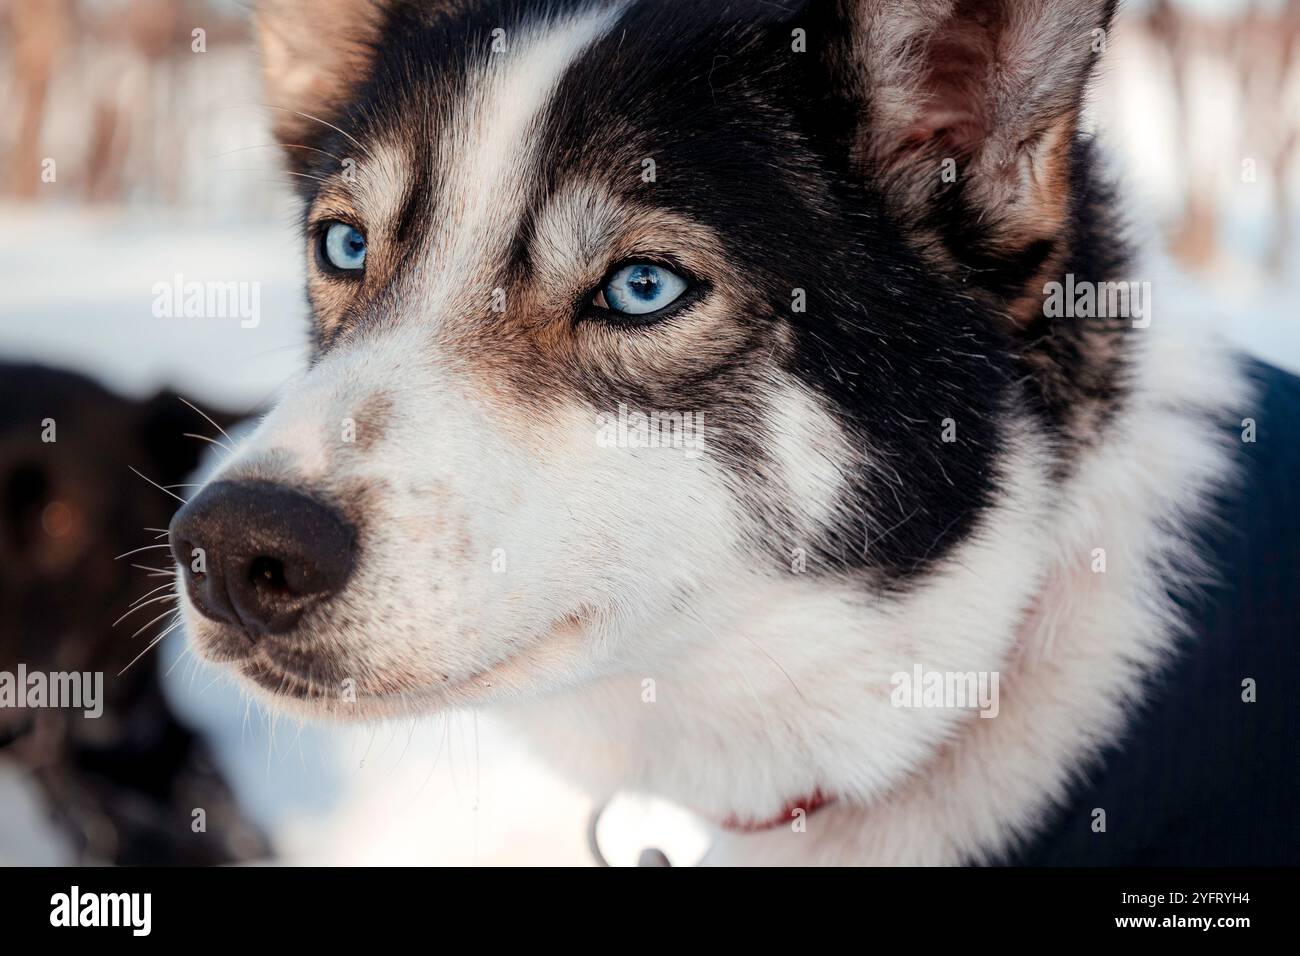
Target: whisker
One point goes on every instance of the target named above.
(290, 172)
(152, 645)
(147, 547)
(185, 652)
(170, 610)
(147, 593)
(210, 421)
(219, 444)
(155, 570)
(244, 149)
(282, 172)
(156, 485)
(208, 686)
(161, 597)
(316, 119)
(285, 183)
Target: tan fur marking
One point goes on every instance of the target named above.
(372, 420)
(535, 350)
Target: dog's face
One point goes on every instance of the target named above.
(541, 237)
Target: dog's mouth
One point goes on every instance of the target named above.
(326, 684)
(282, 681)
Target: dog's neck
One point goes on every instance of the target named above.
(782, 687)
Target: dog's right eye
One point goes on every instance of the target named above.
(342, 248)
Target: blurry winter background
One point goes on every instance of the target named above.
(134, 150)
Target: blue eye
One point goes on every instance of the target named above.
(641, 288)
(344, 247)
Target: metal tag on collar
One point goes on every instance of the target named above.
(633, 829)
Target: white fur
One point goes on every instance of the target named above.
(734, 733)
(632, 633)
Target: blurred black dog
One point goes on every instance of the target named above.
(124, 786)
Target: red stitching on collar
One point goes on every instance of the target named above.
(809, 805)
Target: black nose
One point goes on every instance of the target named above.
(264, 553)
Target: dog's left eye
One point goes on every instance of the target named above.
(640, 289)
(343, 247)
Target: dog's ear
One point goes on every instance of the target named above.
(967, 111)
(314, 54)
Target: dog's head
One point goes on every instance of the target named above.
(620, 306)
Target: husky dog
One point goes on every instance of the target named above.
(691, 378)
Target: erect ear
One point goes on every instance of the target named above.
(315, 53)
(968, 114)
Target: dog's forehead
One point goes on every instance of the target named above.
(489, 152)
(494, 108)
(451, 133)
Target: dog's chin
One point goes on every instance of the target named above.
(541, 666)
(286, 690)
